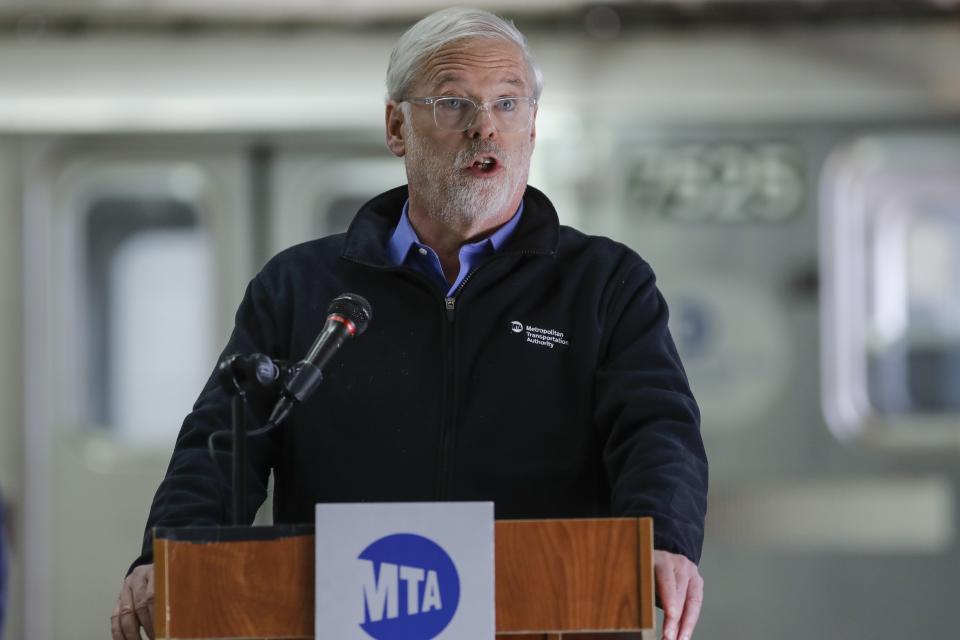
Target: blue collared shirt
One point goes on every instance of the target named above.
(406, 249)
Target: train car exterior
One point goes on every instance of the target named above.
(795, 188)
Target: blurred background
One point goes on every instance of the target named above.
(791, 168)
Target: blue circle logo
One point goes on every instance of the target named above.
(410, 590)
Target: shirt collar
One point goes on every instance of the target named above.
(404, 237)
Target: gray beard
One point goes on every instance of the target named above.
(454, 198)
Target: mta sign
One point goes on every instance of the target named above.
(404, 571)
(410, 589)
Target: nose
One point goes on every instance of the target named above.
(482, 126)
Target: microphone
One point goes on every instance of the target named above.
(348, 316)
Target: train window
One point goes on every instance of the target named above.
(914, 324)
(315, 193)
(891, 258)
(149, 315)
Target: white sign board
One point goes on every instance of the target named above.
(405, 571)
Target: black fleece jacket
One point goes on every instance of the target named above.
(548, 383)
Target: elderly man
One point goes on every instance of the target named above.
(511, 359)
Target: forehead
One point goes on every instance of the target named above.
(475, 60)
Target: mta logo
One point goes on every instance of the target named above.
(410, 590)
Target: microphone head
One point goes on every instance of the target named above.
(354, 308)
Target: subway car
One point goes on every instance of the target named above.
(790, 169)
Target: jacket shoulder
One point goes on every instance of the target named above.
(604, 252)
(303, 258)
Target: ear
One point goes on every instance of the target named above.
(395, 118)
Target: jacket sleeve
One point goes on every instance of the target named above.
(649, 421)
(196, 490)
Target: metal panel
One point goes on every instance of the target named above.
(12, 434)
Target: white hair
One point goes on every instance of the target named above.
(441, 28)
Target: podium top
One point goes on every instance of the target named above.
(232, 533)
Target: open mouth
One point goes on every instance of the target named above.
(485, 164)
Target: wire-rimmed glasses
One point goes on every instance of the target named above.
(457, 113)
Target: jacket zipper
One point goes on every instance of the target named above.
(450, 302)
(450, 412)
(448, 416)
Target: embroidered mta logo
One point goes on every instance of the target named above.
(411, 588)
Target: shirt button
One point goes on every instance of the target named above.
(422, 251)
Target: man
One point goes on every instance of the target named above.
(510, 359)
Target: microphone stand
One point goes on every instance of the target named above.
(238, 428)
(236, 373)
(238, 408)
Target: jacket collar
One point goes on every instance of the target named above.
(367, 238)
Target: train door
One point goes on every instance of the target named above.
(137, 250)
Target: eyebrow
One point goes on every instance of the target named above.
(446, 77)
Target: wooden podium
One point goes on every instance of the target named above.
(555, 579)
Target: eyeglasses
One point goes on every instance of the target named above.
(456, 113)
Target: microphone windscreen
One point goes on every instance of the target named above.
(354, 308)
